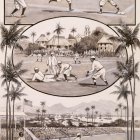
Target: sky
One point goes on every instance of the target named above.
(36, 96)
(67, 23)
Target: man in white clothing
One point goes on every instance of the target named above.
(100, 71)
(40, 77)
(68, 1)
(103, 2)
(52, 64)
(76, 58)
(19, 4)
(65, 69)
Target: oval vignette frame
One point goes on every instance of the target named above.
(86, 94)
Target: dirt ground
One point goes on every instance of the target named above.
(75, 88)
(40, 10)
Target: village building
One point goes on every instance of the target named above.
(42, 40)
(106, 45)
(58, 43)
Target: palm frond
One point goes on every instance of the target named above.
(18, 46)
(18, 65)
(136, 30)
(120, 48)
(21, 72)
(137, 66)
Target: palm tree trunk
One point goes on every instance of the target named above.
(127, 120)
(133, 95)
(13, 120)
(58, 39)
(9, 114)
(7, 100)
(87, 119)
(92, 117)
(132, 101)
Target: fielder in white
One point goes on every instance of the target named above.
(103, 2)
(65, 69)
(76, 58)
(40, 77)
(52, 64)
(100, 71)
(19, 4)
(68, 1)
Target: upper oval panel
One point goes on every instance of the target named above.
(68, 56)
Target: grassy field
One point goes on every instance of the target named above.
(62, 88)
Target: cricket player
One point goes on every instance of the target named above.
(19, 4)
(52, 64)
(65, 69)
(68, 1)
(103, 2)
(40, 77)
(100, 71)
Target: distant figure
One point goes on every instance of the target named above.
(103, 2)
(40, 77)
(78, 137)
(52, 64)
(19, 4)
(21, 136)
(100, 71)
(68, 1)
(39, 57)
(76, 58)
(65, 69)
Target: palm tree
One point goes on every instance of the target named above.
(38, 112)
(125, 111)
(129, 39)
(59, 29)
(15, 93)
(92, 108)
(120, 107)
(48, 33)
(96, 113)
(73, 30)
(117, 110)
(123, 92)
(33, 34)
(126, 73)
(10, 36)
(43, 103)
(44, 112)
(10, 75)
(87, 111)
